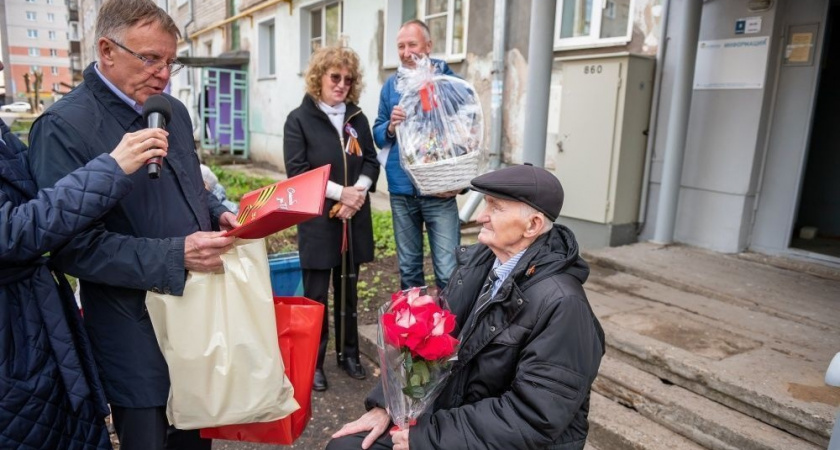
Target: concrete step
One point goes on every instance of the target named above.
(616, 427)
(762, 284)
(707, 423)
(765, 365)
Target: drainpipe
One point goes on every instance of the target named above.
(186, 34)
(496, 101)
(672, 166)
(654, 115)
(540, 59)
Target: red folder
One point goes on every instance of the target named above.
(281, 205)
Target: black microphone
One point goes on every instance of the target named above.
(157, 111)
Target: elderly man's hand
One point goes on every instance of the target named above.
(227, 221)
(376, 421)
(202, 250)
(400, 439)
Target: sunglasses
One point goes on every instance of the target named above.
(336, 79)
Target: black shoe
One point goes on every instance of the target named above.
(354, 368)
(319, 382)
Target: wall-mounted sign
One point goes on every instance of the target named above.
(750, 25)
(799, 48)
(731, 63)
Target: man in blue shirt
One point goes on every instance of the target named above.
(410, 209)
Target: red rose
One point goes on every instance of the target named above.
(437, 347)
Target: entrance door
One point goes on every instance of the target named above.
(817, 225)
(224, 112)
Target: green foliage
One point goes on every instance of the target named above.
(238, 184)
(383, 235)
(20, 127)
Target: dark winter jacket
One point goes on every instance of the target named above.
(523, 375)
(310, 140)
(398, 180)
(50, 394)
(138, 246)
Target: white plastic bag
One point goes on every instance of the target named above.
(220, 342)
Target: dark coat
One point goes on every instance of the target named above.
(524, 372)
(310, 141)
(138, 246)
(50, 394)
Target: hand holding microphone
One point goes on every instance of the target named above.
(135, 149)
(157, 112)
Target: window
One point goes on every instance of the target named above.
(53, 52)
(50, 2)
(56, 87)
(51, 35)
(446, 19)
(325, 26)
(30, 1)
(267, 50)
(592, 23)
(34, 51)
(50, 17)
(35, 68)
(30, 15)
(32, 34)
(54, 70)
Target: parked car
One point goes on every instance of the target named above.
(16, 107)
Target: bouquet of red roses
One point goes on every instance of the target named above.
(414, 352)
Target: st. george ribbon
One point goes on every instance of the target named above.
(156, 111)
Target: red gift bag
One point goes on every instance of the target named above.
(299, 331)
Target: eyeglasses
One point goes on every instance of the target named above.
(152, 65)
(336, 79)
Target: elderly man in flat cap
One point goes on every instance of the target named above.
(530, 343)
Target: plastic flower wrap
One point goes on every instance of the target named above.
(440, 139)
(414, 352)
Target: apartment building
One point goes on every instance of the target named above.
(36, 38)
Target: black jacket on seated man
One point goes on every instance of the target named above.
(524, 373)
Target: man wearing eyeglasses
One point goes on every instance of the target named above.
(154, 236)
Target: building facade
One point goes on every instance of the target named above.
(757, 138)
(37, 38)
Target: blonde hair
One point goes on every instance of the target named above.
(327, 58)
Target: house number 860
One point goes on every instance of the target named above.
(592, 69)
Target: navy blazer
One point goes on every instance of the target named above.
(138, 246)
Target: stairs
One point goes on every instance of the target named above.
(696, 358)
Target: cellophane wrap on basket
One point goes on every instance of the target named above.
(415, 347)
(440, 139)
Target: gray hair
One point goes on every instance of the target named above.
(526, 210)
(427, 34)
(115, 16)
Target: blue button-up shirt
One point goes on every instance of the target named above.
(134, 105)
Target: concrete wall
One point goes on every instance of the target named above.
(723, 147)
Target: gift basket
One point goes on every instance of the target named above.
(440, 139)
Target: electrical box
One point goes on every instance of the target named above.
(601, 139)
